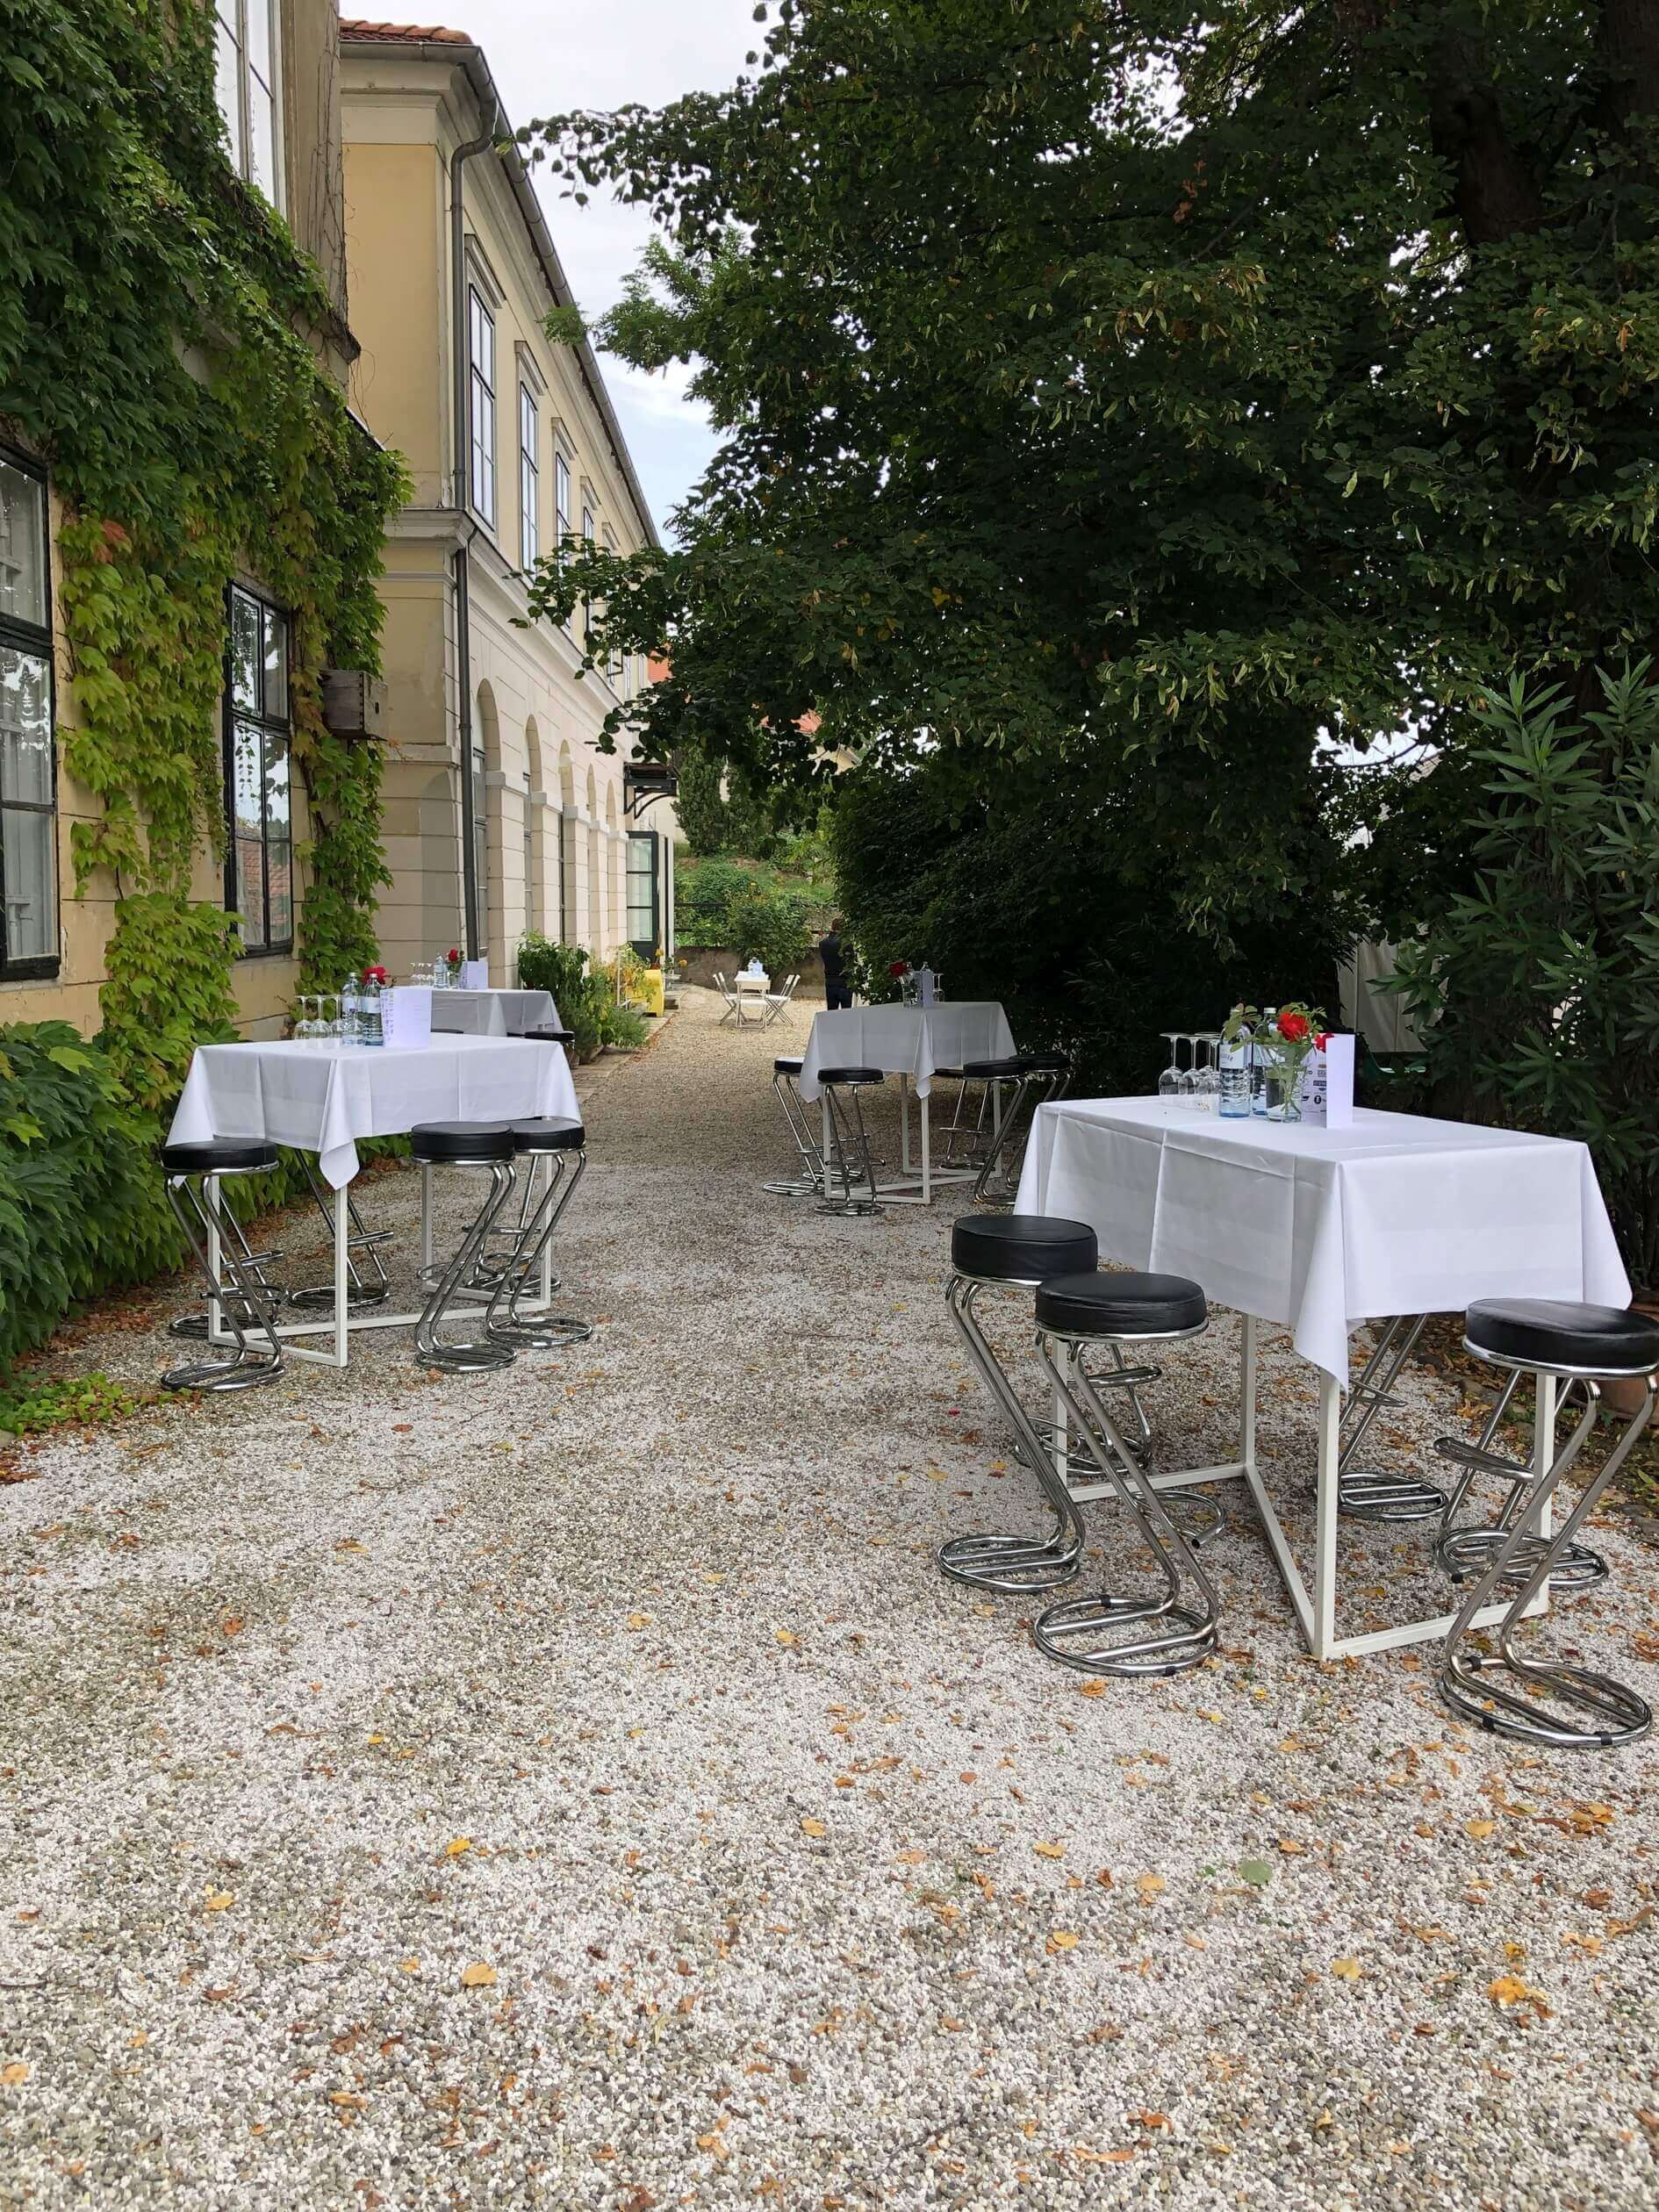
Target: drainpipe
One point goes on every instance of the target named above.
(460, 342)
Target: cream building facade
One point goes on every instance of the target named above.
(501, 816)
(277, 82)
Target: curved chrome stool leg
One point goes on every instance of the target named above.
(1016, 1564)
(361, 1293)
(809, 1182)
(1198, 1518)
(465, 1355)
(851, 1160)
(194, 1327)
(1375, 1494)
(1598, 1713)
(248, 1302)
(540, 1332)
(1463, 1552)
(1087, 1633)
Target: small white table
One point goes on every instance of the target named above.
(493, 1012)
(322, 1097)
(912, 1043)
(1323, 1229)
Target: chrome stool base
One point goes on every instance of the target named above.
(1197, 1517)
(464, 1355)
(1011, 1565)
(1552, 1703)
(1189, 1637)
(503, 1323)
(1466, 1553)
(1389, 1497)
(245, 1301)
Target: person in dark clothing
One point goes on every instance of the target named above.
(836, 990)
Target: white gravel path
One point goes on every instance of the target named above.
(799, 1877)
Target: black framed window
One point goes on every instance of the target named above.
(529, 479)
(643, 927)
(259, 861)
(28, 760)
(481, 390)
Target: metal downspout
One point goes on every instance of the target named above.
(462, 488)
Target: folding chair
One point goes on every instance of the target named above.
(776, 1000)
(734, 1013)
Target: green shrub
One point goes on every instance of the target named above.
(1537, 991)
(562, 970)
(771, 926)
(82, 1206)
(38, 1402)
(624, 1026)
(706, 896)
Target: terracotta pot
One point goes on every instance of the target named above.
(1622, 1394)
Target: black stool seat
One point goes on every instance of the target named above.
(1111, 1306)
(463, 1140)
(851, 1076)
(1022, 1247)
(547, 1036)
(788, 1067)
(988, 1070)
(1045, 1063)
(219, 1155)
(1555, 1334)
(548, 1133)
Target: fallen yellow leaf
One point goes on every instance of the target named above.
(1150, 1884)
(479, 1976)
(1062, 1940)
(809, 1826)
(639, 1621)
(1049, 1850)
(1348, 1970)
(1091, 1689)
(220, 1901)
(460, 1844)
(785, 1635)
(411, 1966)
(1479, 1829)
(15, 2072)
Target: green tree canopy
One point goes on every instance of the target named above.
(1146, 388)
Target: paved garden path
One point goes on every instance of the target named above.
(579, 1787)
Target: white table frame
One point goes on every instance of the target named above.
(1316, 1610)
(917, 1181)
(343, 1324)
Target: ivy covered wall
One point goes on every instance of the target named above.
(175, 361)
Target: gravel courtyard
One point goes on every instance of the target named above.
(580, 1787)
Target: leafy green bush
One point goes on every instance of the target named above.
(771, 926)
(624, 1026)
(705, 896)
(562, 970)
(1537, 991)
(82, 1207)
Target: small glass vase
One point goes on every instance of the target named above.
(1284, 1093)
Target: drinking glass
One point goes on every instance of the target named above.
(304, 1023)
(328, 1011)
(1169, 1081)
(1209, 1085)
(1187, 1081)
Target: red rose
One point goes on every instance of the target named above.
(899, 967)
(1293, 1027)
(1323, 1039)
(452, 955)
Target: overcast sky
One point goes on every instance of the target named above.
(549, 55)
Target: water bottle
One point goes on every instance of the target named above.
(349, 1011)
(1236, 1056)
(1261, 1058)
(370, 1027)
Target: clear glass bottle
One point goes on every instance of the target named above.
(1261, 1058)
(1237, 1054)
(370, 1027)
(348, 1030)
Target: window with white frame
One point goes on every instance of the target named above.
(561, 504)
(245, 75)
(259, 859)
(529, 480)
(28, 768)
(587, 539)
(481, 403)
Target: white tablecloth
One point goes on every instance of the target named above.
(906, 1040)
(493, 1012)
(321, 1098)
(1323, 1228)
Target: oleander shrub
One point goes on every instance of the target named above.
(563, 972)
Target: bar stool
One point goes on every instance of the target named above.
(1015, 1252)
(1553, 1341)
(548, 1034)
(849, 1158)
(1463, 1552)
(491, 1264)
(1002, 1085)
(563, 1145)
(1077, 1312)
(193, 1173)
(361, 1294)
(786, 1077)
(1379, 1494)
(464, 1145)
